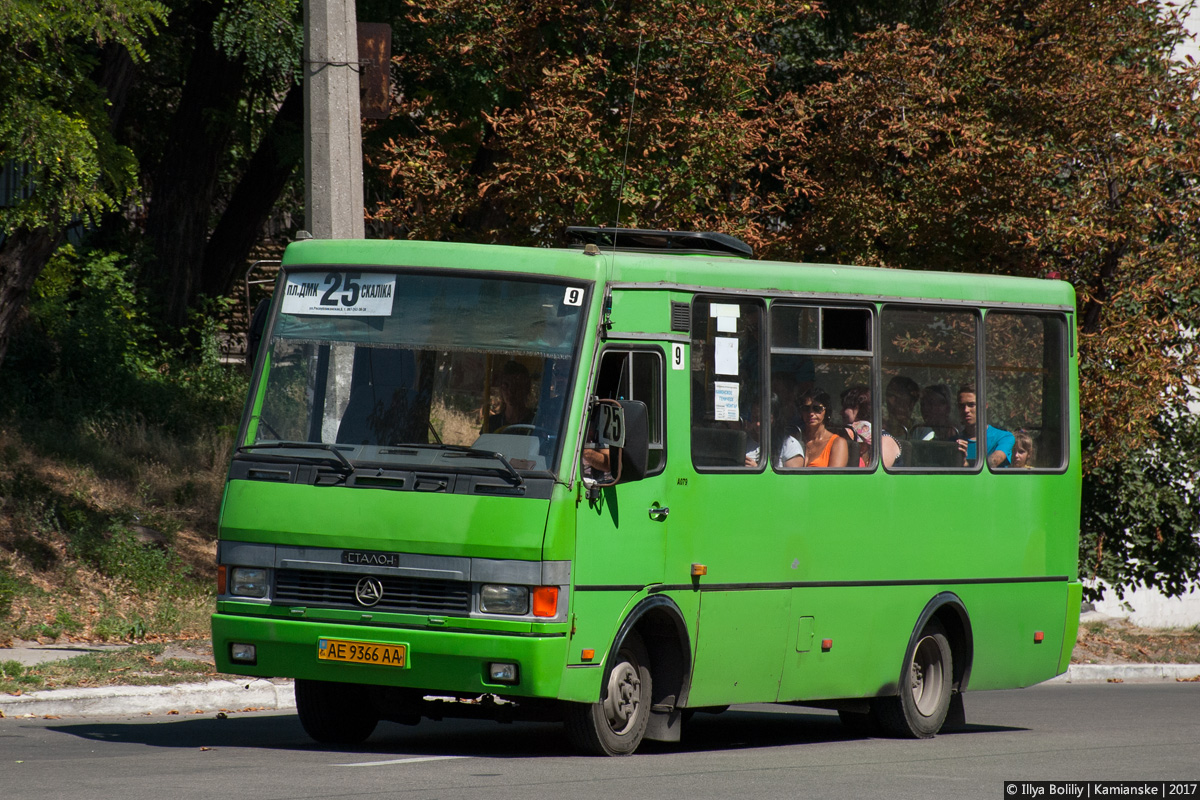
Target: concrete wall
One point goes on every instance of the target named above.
(1149, 608)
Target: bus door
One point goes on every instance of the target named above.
(733, 518)
(621, 530)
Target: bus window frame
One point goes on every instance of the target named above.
(616, 346)
(711, 295)
(1065, 353)
(878, 388)
(873, 368)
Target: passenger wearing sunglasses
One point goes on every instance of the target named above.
(812, 443)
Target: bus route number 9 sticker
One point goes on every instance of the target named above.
(342, 294)
(573, 296)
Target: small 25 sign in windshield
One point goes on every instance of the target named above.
(339, 294)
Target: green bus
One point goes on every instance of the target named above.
(642, 476)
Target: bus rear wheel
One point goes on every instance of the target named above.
(615, 725)
(925, 687)
(335, 713)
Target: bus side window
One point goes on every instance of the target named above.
(727, 386)
(1026, 376)
(821, 355)
(928, 366)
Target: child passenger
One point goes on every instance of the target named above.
(1022, 450)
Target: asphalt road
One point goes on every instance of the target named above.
(1058, 732)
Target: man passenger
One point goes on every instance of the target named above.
(999, 442)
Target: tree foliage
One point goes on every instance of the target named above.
(55, 142)
(1140, 513)
(513, 121)
(55, 129)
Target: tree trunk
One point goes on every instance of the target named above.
(185, 183)
(279, 153)
(22, 256)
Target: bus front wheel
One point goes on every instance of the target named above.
(615, 725)
(335, 713)
(925, 686)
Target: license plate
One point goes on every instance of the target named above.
(386, 655)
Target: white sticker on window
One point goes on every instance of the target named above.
(726, 355)
(573, 297)
(344, 294)
(725, 401)
(727, 316)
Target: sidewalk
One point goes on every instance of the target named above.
(257, 694)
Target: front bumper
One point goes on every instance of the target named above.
(452, 661)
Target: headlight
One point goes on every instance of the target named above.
(496, 598)
(248, 582)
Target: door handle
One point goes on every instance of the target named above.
(659, 513)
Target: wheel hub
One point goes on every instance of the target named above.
(926, 676)
(624, 695)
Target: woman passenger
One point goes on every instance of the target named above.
(817, 446)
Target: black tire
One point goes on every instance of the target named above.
(615, 725)
(920, 709)
(335, 713)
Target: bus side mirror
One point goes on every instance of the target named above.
(622, 428)
(254, 333)
(636, 451)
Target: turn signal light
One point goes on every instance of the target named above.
(545, 601)
(222, 578)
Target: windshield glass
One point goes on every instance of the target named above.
(372, 362)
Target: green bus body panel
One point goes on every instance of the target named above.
(1074, 606)
(665, 271)
(437, 660)
(374, 519)
(793, 560)
(644, 311)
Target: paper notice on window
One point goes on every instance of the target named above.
(725, 401)
(727, 316)
(726, 353)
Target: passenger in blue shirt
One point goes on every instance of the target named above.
(999, 442)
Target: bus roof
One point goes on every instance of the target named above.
(686, 272)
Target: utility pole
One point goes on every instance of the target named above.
(333, 181)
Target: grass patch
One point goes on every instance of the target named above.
(1119, 642)
(137, 665)
(105, 549)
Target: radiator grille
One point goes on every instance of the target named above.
(401, 594)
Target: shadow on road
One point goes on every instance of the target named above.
(736, 729)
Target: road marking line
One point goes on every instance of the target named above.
(399, 761)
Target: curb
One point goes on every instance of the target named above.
(265, 695)
(1128, 673)
(184, 698)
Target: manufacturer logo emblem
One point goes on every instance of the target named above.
(368, 591)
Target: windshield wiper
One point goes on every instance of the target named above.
(341, 464)
(462, 451)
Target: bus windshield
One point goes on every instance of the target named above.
(412, 368)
